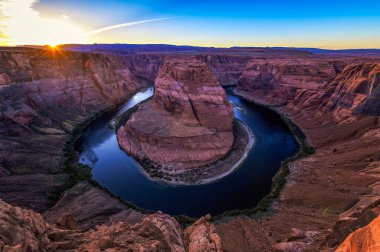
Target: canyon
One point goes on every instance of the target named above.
(48, 96)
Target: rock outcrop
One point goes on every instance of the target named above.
(347, 224)
(202, 236)
(226, 68)
(363, 239)
(188, 123)
(279, 79)
(24, 230)
(349, 87)
(355, 91)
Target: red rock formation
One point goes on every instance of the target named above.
(202, 236)
(342, 176)
(355, 91)
(187, 124)
(347, 88)
(24, 230)
(45, 95)
(226, 68)
(363, 239)
(281, 78)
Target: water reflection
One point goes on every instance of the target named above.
(123, 176)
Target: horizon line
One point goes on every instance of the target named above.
(189, 45)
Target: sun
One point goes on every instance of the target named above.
(52, 45)
(23, 25)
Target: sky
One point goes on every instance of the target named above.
(332, 24)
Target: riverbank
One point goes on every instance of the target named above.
(279, 179)
(320, 188)
(79, 173)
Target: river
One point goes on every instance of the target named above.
(244, 188)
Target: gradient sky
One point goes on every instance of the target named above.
(296, 23)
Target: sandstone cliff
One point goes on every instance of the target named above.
(44, 95)
(356, 90)
(344, 86)
(334, 190)
(279, 79)
(188, 123)
(226, 68)
(363, 239)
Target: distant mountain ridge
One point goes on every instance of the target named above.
(188, 48)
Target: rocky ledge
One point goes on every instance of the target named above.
(188, 124)
(26, 230)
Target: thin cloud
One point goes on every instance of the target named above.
(107, 28)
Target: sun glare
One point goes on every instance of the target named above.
(24, 25)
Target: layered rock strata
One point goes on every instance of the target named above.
(335, 190)
(187, 124)
(25, 230)
(47, 93)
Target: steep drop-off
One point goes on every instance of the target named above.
(340, 178)
(45, 95)
(363, 239)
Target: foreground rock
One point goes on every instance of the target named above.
(202, 236)
(25, 230)
(187, 124)
(363, 239)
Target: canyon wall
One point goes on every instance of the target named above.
(346, 86)
(363, 239)
(226, 68)
(188, 123)
(332, 191)
(279, 79)
(44, 95)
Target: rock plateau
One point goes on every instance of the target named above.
(187, 124)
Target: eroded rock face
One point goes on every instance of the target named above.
(187, 124)
(281, 78)
(356, 90)
(346, 88)
(202, 236)
(363, 239)
(356, 220)
(44, 95)
(226, 68)
(24, 230)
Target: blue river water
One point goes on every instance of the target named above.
(244, 188)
